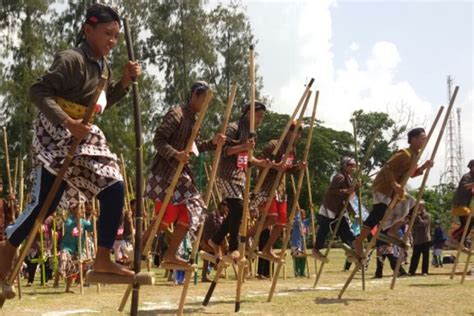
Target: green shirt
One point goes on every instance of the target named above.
(69, 242)
(73, 76)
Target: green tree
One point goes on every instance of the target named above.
(23, 27)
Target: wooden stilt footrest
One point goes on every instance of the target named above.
(348, 250)
(173, 266)
(211, 258)
(8, 291)
(269, 258)
(393, 240)
(142, 278)
(465, 250)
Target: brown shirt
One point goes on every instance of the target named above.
(463, 196)
(237, 134)
(172, 136)
(394, 170)
(335, 196)
(422, 229)
(74, 76)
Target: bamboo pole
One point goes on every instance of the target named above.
(169, 192)
(248, 173)
(359, 192)
(51, 194)
(278, 178)
(207, 198)
(139, 179)
(94, 232)
(421, 191)
(21, 191)
(294, 205)
(79, 247)
(15, 176)
(469, 255)
(461, 245)
(263, 173)
(394, 200)
(7, 160)
(311, 209)
(333, 236)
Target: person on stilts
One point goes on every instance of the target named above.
(170, 141)
(387, 182)
(461, 207)
(337, 196)
(62, 95)
(277, 214)
(231, 177)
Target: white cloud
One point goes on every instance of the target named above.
(354, 46)
(368, 84)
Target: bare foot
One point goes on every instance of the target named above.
(235, 255)
(217, 249)
(7, 253)
(175, 260)
(107, 266)
(69, 291)
(269, 253)
(319, 256)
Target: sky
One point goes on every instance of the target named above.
(384, 56)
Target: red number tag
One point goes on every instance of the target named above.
(289, 161)
(242, 160)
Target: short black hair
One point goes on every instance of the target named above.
(471, 163)
(199, 87)
(259, 106)
(415, 132)
(101, 13)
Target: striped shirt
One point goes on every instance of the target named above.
(171, 137)
(237, 134)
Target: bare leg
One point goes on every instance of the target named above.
(68, 285)
(275, 234)
(170, 254)
(359, 241)
(216, 249)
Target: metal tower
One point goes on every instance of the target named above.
(460, 149)
(452, 170)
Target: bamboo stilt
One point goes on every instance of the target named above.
(461, 245)
(248, 173)
(207, 198)
(359, 192)
(169, 191)
(420, 193)
(311, 209)
(394, 200)
(299, 186)
(333, 236)
(54, 188)
(278, 178)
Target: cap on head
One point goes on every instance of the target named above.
(259, 106)
(101, 13)
(415, 132)
(471, 163)
(346, 160)
(199, 87)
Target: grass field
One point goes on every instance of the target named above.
(433, 294)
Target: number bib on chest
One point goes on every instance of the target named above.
(242, 160)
